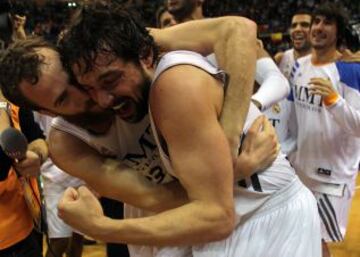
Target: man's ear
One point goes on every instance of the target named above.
(46, 112)
(148, 60)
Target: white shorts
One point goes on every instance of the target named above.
(334, 214)
(52, 194)
(286, 225)
(152, 251)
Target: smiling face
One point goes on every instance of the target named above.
(323, 33)
(299, 32)
(118, 85)
(52, 92)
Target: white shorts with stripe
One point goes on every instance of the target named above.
(334, 213)
(286, 225)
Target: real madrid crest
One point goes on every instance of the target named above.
(276, 108)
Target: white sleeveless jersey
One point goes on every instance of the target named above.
(252, 192)
(287, 62)
(133, 144)
(328, 144)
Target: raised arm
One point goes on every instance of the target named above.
(109, 178)
(233, 40)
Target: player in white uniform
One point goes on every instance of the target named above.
(326, 97)
(260, 197)
(281, 114)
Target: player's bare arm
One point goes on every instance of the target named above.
(109, 178)
(228, 37)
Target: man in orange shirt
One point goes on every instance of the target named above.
(17, 236)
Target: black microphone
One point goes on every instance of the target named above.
(14, 143)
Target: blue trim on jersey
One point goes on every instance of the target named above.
(349, 74)
(290, 96)
(294, 69)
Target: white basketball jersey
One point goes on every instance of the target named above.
(328, 144)
(252, 192)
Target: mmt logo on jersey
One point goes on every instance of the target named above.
(306, 100)
(147, 159)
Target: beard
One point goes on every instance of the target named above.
(96, 123)
(140, 107)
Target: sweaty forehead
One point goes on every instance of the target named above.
(89, 65)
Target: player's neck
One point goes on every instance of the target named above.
(324, 56)
(301, 53)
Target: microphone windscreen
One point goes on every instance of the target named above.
(14, 143)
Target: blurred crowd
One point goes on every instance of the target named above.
(47, 18)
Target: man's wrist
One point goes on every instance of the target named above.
(100, 230)
(244, 167)
(38, 153)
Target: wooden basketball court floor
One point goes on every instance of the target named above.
(349, 248)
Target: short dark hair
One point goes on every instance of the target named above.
(334, 12)
(21, 61)
(300, 11)
(105, 29)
